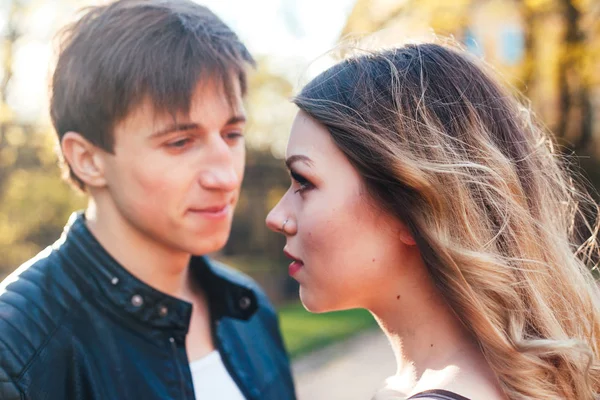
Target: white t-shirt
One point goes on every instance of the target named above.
(212, 381)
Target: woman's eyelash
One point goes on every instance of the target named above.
(298, 178)
(304, 184)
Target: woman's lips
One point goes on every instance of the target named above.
(294, 267)
(296, 264)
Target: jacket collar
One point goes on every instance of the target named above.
(229, 295)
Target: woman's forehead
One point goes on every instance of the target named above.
(309, 138)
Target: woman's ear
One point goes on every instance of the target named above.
(84, 158)
(406, 236)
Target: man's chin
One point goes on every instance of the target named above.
(208, 245)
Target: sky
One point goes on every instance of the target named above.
(304, 28)
(292, 33)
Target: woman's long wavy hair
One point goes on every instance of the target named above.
(507, 236)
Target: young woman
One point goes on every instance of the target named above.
(424, 193)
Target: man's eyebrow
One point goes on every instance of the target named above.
(175, 128)
(298, 158)
(236, 119)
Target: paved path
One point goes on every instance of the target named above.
(350, 370)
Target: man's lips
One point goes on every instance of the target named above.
(210, 209)
(214, 211)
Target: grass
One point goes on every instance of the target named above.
(304, 332)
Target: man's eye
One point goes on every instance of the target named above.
(179, 143)
(234, 135)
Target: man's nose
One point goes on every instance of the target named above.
(221, 172)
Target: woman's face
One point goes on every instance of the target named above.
(349, 253)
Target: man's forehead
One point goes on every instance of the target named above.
(205, 96)
(151, 122)
(214, 87)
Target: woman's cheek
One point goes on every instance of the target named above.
(322, 236)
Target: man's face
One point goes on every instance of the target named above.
(176, 184)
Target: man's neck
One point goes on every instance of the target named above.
(150, 261)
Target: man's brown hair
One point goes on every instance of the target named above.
(119, 54)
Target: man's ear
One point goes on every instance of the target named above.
(84, 158)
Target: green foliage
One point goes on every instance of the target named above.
(35, 206)
(303, 331)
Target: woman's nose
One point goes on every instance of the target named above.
(280, 221)
(275, 220)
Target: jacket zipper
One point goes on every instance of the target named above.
(179, 372)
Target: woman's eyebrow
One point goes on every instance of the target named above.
(298, 158)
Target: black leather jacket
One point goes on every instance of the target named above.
(74, 324)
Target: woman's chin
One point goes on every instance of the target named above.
(313, 303)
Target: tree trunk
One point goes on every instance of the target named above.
(575, 122)
(529, 23)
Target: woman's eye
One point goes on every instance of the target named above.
(303, 182)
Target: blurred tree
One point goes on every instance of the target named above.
(270, 114)
(34, 202)
(547, 49)
(575, 103)
(8, 155)
(251, 246)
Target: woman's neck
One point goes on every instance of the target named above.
(429, 343)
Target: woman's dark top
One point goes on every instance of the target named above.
(438, 394)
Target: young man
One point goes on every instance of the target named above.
(147, 104)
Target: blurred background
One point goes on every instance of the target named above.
(548, 50)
